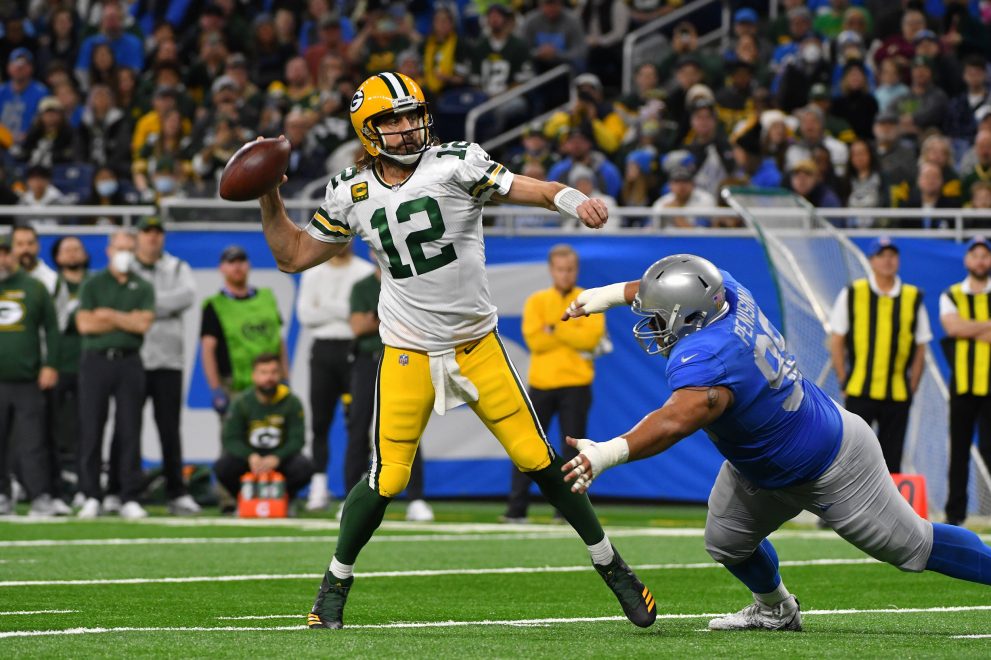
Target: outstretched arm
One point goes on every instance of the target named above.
(294, 250)
(688, 410)
(556, 197)
(598, 299)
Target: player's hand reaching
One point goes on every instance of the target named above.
(592, 460)
(593, 213)
(596, 300)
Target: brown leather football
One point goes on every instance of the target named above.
(255, 169)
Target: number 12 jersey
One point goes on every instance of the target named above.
(426, 234)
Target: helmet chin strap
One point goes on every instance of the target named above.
(404, 159)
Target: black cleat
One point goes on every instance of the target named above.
(328, 608)
(636, 599)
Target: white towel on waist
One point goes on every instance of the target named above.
(451, 389)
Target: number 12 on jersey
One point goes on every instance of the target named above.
(422, 264)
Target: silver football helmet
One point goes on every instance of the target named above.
(678, 296)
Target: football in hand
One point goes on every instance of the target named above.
(255, 169)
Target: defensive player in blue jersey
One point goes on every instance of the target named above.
(788, 446)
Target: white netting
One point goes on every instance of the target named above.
(811, 262)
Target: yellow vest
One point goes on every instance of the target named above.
(971, 359)
(560, 351)
(881, 341)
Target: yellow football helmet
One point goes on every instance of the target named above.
(383, 94)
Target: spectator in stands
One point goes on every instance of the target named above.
(981, 171)
(684, 195)
(685, 42)
(377, 45)
(646, 83)
(125, 90)
(108, 190)
(536, 148)
(578, 148)
(896, 157)
(980, 198)
(445, 54)
(39, 191)
(799, 28)
(323, 306)
(162, 157)
(500, 59)
(17, 32)
(102, 68)
(640, 181)
(776, 136)
(221, 137)
(803, 66)
(591, 108)
(127, 48)
(105, 132)
(644, 11)
(211, 20)
(803, 179)
(21, 95)
(880, 310)
(26, 370)
(71, 261)
(945, 67)
(902, 44)
(711, 152)
(855, 105)
(751, 165)
(299, 89)
(68, 96)
(286, 32)
(7, 195)
(264, 431)
(733, 101)
(306, 160)
(606, 24)
(961, 117)
(928, 194)
(936, 149)
(555, 36)
(925, 104)
(239, 323)
(116, 308)
(25, 249)
(891, 84)
(834, 125)
(746, 29)
(165, 100)
(163, 349)
(330, 42)
(812, 132)
(208, 66)
(268, 55)
(827, 172)
(865, 183)
(60, 42)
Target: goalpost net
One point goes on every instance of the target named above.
(810, 263)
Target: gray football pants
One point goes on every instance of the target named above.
(855, 496)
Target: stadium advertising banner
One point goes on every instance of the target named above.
(462, 459)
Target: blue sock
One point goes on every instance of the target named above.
(960, 553)
(760, 571)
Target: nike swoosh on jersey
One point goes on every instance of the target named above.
(686, 358)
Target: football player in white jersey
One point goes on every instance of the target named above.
(418, 205)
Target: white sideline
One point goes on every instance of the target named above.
(459, 624)
(514, 570)
(24, 612)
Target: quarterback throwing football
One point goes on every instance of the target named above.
(418, 204)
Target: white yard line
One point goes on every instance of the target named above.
(460, 624)
(26, 612)
(513, 570)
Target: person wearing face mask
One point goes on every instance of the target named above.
(26, 370)
(264, 431)
(116, 310)
(70, 258)
(25, 249)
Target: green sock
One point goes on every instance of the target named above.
(575, 507)
(364, 509)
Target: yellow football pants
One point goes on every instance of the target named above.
(404, 398)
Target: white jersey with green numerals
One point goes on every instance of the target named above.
(427, 237)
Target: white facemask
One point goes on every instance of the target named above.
(122, 261)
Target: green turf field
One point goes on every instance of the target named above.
(462, 587)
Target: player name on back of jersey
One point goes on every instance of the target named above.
(745, 319)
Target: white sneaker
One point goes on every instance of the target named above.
(78, 499)
(184, 505)
(6, 506)
(419, 511)
(89, 509)
(786, 615)
(42, 506)
(111, 504)
(318, 499)
(60, 508)
(132, 511)
(340, 512)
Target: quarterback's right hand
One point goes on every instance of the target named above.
(596, 300)
(220, 401)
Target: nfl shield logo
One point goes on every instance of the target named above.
(403, 359)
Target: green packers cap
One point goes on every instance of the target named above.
(151, 222)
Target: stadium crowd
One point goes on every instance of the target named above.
(862, 103)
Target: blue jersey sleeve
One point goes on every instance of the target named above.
(695, 369)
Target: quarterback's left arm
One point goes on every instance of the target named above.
(557, 197)
(688, 410)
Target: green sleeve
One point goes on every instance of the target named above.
(52, 334)
(295, 431)
(234, 438)
(86, 300)
(147, 303)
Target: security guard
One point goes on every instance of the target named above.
(25, 310)
(964, 313)
(561, 370)
(879, 331)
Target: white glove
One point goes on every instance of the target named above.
(597, 300)
(593, 459)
